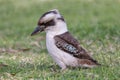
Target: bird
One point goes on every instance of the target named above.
(61, 45)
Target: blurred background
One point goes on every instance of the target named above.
(85, 18)
(95, 23)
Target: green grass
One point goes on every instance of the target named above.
(95, 23)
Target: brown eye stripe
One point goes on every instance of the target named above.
(49, 23)
(39, 23)
(61, 19)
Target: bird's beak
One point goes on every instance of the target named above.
(37, 29)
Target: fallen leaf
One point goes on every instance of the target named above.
(24, 49)
(9, 50)
(3, 65)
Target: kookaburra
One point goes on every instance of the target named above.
(61, 45)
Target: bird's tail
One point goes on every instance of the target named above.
(89, 63)
(96, 62)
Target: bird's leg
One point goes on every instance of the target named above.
(63, 68)
(61, 65)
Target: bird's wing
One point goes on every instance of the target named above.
(69, 44)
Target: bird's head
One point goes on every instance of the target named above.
(50, 21)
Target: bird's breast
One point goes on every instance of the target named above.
(58, 54)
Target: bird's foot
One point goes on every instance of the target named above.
(63, 69)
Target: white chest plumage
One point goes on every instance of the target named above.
(57, 54)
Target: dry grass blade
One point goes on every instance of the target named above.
(10, 50)
(35, 43)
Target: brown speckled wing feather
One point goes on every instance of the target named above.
(69, 44)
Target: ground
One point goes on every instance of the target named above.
(95, 23)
